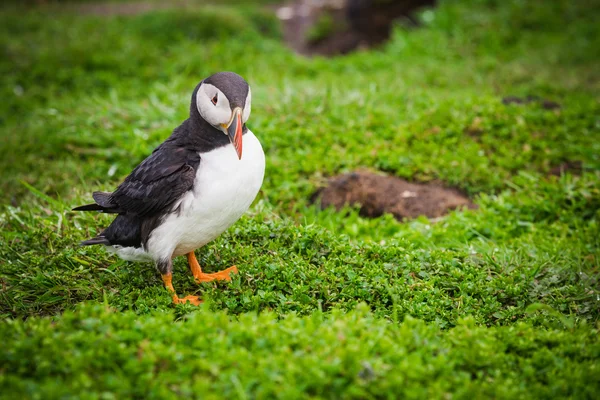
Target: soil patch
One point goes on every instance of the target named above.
(573, 167)
(379, 194)
(546, 104)
(333, 27)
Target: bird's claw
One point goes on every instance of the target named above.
(193, 300)
(217, 276)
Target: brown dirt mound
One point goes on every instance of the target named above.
(378, 194)
(333, 27)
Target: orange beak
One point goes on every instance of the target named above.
(234, 131)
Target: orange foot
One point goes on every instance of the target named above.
(217, 276)
(194, 300)
(202, 277)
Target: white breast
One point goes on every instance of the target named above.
(223, 190)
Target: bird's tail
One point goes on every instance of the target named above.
(89, 207)
(103, 203)
(96, 240)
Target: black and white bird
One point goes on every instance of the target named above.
(191, 188)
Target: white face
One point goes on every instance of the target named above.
(214, 107)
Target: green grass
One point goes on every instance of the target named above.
(209, 355)
(502, 301)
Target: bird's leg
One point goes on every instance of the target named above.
(167, 277)
(202, 277)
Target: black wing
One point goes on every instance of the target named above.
(157, 182)
(153, 186)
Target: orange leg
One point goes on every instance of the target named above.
(167, 279)
(202, 277)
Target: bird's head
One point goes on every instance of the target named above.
(224, 101)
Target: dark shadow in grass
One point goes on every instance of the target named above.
(572, 167)
(380, 194)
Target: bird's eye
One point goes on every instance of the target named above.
(215, 99)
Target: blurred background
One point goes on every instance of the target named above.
(427, 227)
(423, 90)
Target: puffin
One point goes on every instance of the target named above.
(193, 186)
